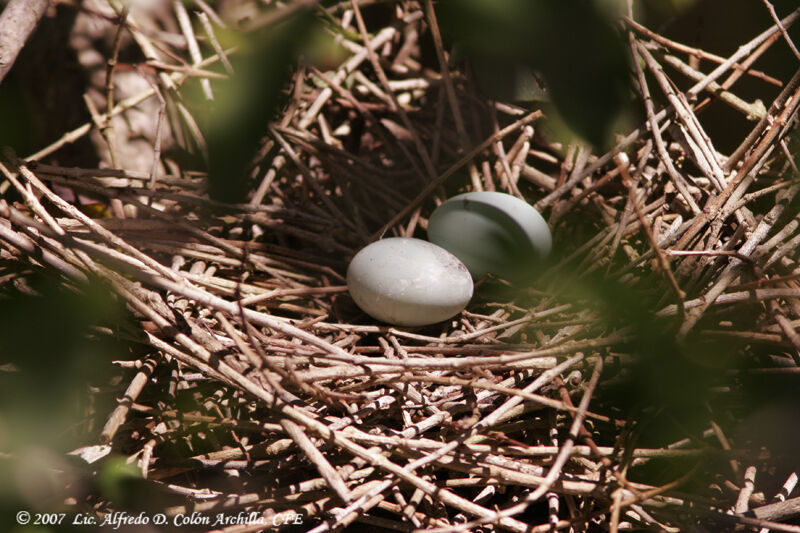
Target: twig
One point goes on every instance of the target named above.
(677, 178)
(212, 37)
(698, 53)
(315, 456)
(373, 58)
(622, 145)
(445, 70)
(194, 48)
(441, 178)
(782, 27)
(17, 22)
(555, 469)
(128, 103)
(133, 391)
(107, 127)
(662, 260)
(754, 111)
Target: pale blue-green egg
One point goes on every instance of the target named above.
(492, 232)
(408, 282)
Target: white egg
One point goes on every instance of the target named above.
(408, 282)
(491, 232)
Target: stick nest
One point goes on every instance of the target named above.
(624, 389)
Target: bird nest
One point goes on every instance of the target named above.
(623, 389)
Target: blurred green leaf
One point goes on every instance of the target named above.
(571, 45)
(663, 372)
(116, 478)
(49, 359)
(245, 104)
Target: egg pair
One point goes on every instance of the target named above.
(411, 282)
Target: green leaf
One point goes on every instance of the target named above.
(49, 358)
(572, 46)
(245, 104)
